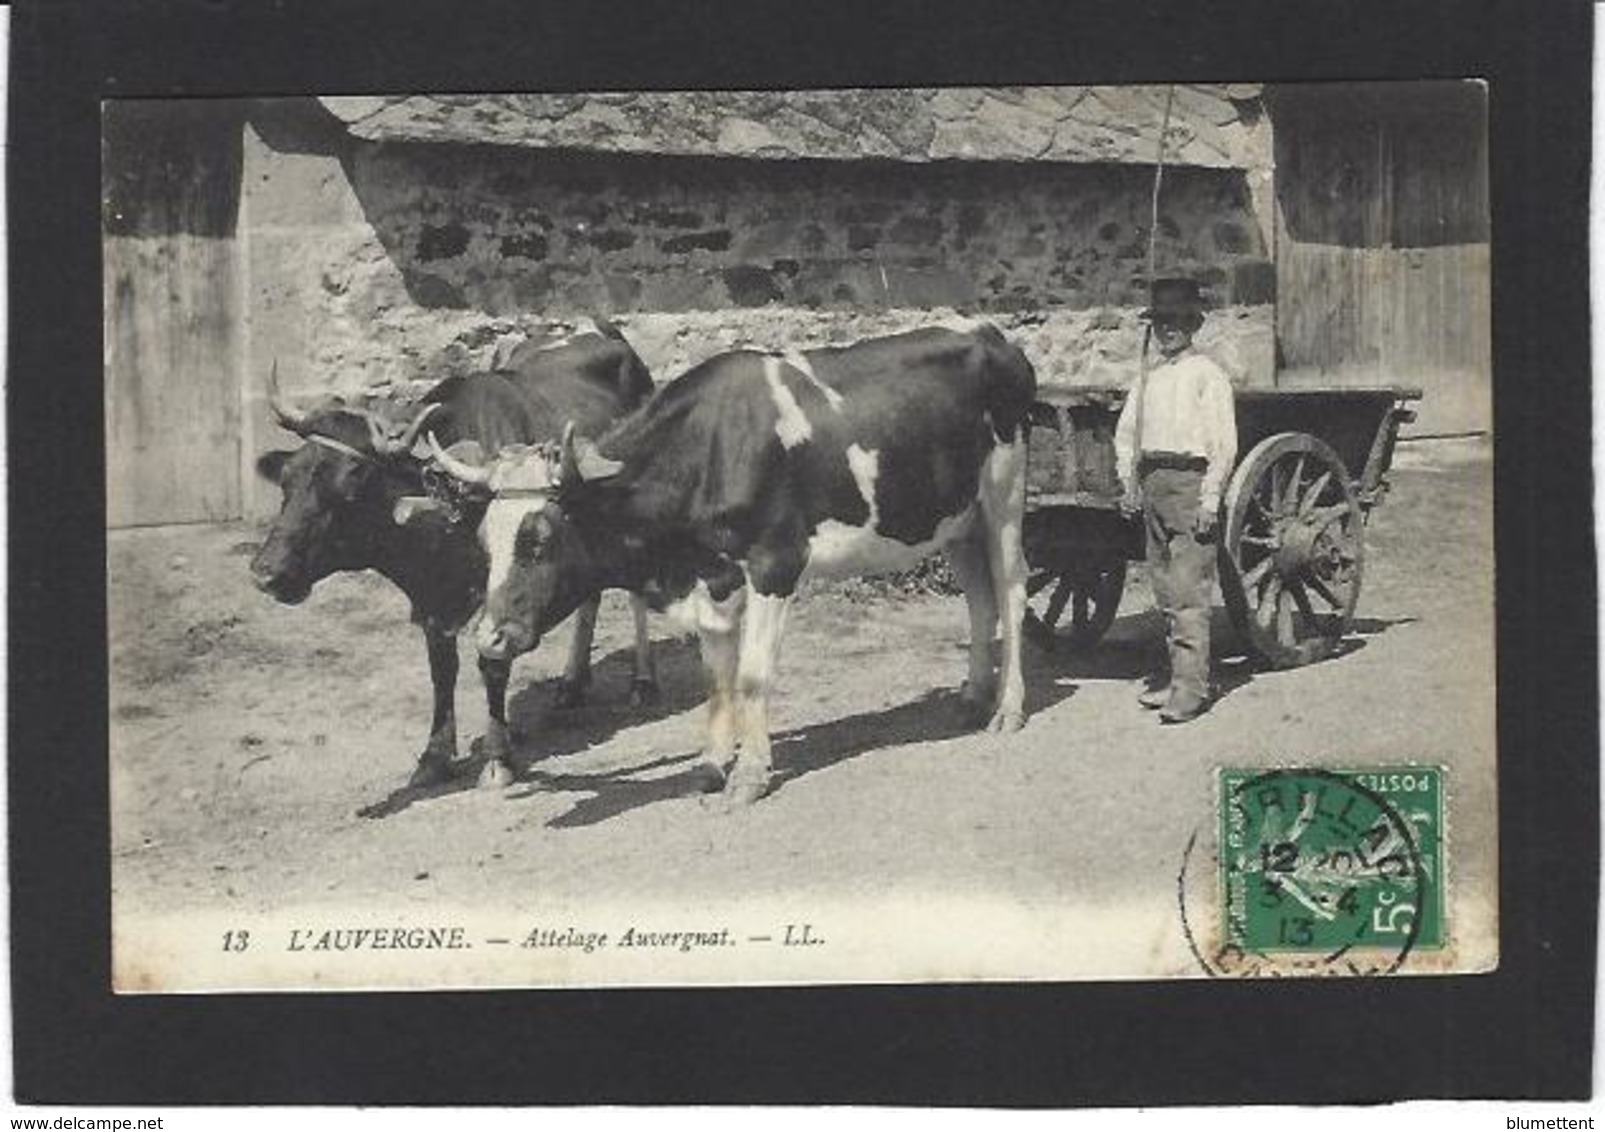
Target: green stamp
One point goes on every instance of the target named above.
(1330, 869)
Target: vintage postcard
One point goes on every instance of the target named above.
(1042, 533)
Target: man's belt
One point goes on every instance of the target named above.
(1173, 461)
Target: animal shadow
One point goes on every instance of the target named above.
(1134, 648)
(938, 715)
(541, 730)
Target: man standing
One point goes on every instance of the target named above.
(1174, 446)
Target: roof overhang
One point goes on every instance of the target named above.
(1212, 126)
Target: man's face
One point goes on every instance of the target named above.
(1172, 335)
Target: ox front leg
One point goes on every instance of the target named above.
(1003, 507)
(497, 771)
(577, 676)
(719, 645)
(434, 765)
(761, 629)
(644, 682)
(974, 573)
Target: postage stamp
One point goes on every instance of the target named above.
(1330, 869)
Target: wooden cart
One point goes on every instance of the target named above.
(1311, 465)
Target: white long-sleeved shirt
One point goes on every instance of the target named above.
(1187, 409)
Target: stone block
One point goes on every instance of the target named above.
(750, 286)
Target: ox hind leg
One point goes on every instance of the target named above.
(762, 626)
(434, 765)
(718, 628)
(1003, 517)
(497, 771)
(577, 674)
(972, 568)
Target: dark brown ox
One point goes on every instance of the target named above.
(355, 498)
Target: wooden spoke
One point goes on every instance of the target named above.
(1037, 582)
(1302, 600)
(1314, 494)
(1291, 502)
(1056, 603)
(1260, 540)
(1252, 578)
(1080, 606)
(1266, 613)
(1284, 619)
(1319, 585)
(1324, 515)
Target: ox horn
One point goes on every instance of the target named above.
(581, 461)
(288, 415)
(459, 469)
(385, 445)
(568, 468)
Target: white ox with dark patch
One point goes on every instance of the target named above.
(754, 471)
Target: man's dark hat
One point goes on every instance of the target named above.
(1174, 299)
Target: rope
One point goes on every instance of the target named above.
(1141, 389)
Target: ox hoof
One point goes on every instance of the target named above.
(495, 775)
(707, 778)
(972, 693)
(498, 742)
(643, 693)
(570, 695)
(977, 713)
(1006, 722)
(742, 790)
(979, 700)
(431, 770)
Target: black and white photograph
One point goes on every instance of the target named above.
(763, 537)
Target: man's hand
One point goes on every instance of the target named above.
(1130, 502)
(1205, 528)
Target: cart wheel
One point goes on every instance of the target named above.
(1292, 550)
(1090, 592)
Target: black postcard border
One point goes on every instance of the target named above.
(1525, 1031)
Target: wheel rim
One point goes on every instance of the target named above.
(1068, 610)
(1294, 549)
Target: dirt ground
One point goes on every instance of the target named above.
(247, 736)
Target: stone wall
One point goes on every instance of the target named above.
(507, 231)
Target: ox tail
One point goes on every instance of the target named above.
(1011, 384)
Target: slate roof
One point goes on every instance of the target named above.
(1213, 126)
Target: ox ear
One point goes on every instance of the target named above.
(270, 465)
(409, 507)
(582, 460)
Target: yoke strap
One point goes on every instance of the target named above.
(339, 446)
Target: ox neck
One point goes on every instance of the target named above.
(412, 555)
(592, 511)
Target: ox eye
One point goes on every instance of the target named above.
(530, 542)
(349, 483)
